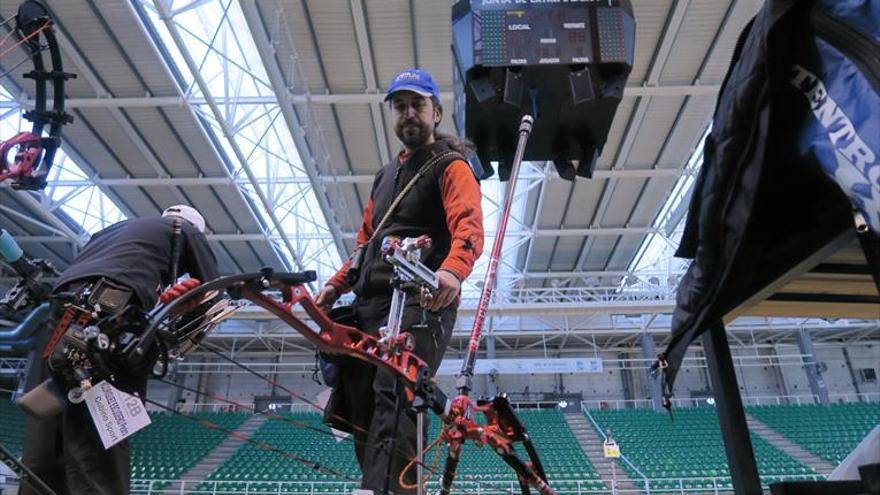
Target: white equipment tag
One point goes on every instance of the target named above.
(116, 414)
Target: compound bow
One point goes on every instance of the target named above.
(502, 431)
(33, 152)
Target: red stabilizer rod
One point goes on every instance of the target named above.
(467, 367)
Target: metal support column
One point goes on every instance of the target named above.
(814, 376)
(852, 375)
(282, 88)
(649, 352)
(780, 376)
(626, 376)
(731, 415)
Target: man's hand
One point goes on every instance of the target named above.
(327, 297)
(445, 295)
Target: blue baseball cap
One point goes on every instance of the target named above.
(415, 80)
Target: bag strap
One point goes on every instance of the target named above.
(422, 171)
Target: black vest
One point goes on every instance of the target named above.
(420, 212)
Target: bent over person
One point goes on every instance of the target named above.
(134, 258)
(443, 203)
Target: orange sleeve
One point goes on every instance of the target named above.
(464, 217)
(363, 237)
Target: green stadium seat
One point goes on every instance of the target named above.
(688, 450)
(172, 444)
(830, 432)
(12, 422)
(481, 468)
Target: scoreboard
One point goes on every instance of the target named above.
(535, 32)
(565, 62)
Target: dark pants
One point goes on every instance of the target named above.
(67, 454)
(371, 401)
(66, 451)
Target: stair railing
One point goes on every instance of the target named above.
(622, 455)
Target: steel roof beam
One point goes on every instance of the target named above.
(366, 54)
(619, 174)
(227, 132)
(125, 124)
(637, 118)
(598, 231)
(54, 223)
(281, 88)
(366, 98)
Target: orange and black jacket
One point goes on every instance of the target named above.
(444, 204)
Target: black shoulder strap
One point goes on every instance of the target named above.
(422, 171)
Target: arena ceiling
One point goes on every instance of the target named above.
(266, 115)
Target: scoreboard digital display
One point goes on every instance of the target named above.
(535, 32)
(565, 62)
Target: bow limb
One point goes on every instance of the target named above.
(335, 338)
(331, 337)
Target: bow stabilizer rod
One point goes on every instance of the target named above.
(467, 367)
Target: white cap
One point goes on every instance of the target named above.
(187, 213)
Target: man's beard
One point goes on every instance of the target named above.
(413, 134)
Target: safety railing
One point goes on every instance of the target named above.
(754, 400)
(564, 297)
(191, 407)
(709, 485)
(472, 487)
(854, 397)
(615, 404)
(644, 486)
(239, 487)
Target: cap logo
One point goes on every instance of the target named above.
(408, 75)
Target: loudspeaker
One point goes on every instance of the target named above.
(513, 88)
(818, 488)
(482, 88)
(581, 85)
(565, 168)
